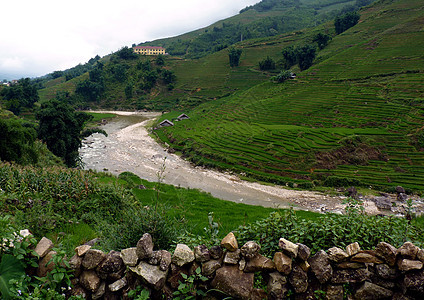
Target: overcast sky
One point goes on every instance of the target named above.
(41, 36)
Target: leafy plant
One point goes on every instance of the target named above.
(189, 288)
(320, 295)
(139, 293)
(11, 268)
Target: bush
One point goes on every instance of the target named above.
(267, 64)
(134, 222)
(17, 142)
(322, 40)
(346, 21)
(328, 231)
(234, 56)
(46, 200)
(283, 76)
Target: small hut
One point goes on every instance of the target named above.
(166, 123)
(183, 117)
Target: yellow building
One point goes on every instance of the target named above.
(149, 50)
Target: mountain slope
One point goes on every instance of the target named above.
(267, 18)
(354, 118)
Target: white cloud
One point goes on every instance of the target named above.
(38, 37)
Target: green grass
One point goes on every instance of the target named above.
(98, 117)
(193, 206)
(367, 84)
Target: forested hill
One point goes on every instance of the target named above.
(267, 18)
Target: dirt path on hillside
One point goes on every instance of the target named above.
(129, 147)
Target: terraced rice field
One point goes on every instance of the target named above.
(356, 115)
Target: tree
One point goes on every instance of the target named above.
(234, 56)
(267, 64)
(306, 55)
(126, 53)
(168, 76)
(92, 88)
(160, 60)
(346, 21)
(322, 40)
(290, 56)
(17, 142)
(22, 94)
(119, 72)
(60, 127)
(149, 79)
(129, 90)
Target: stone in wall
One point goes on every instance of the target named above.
(43, 247)
(230, 242)
(298, 280)
(321, 267)
(383, 273)
(232, 258)
(370, 291)
(259, 263)
(93, 258)
(145, 246)
(152, 275)
(201, 254)
(46, 265)
(182, 255)
(112, 268)
(352, 249)
(250, 250)
(408, 250)
(233, 282)
(387, 252)
(288, 247)
(283, 263)
(277, 286)
(129, 256)
(303, 252)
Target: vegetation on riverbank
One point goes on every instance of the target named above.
(73, 206)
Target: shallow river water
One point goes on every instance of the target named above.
(129, 147)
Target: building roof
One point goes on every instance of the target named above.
(183, 116)
(149, 47)
(166, 122)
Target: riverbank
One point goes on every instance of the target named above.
(129, 147)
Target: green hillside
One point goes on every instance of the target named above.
(264, 19)
(206, 78)
(354, 118)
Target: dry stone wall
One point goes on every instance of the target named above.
(242, 272)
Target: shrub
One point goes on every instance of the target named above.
(283, 76)
(234, 56)
(322, 40)
(267, 64)
(328, 231)
(346, 21)
(134, 222)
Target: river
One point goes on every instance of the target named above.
(129, 147)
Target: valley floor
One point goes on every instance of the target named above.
(129, 147)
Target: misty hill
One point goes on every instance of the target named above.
(264, 19)
(354, 118)
(192, 84)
